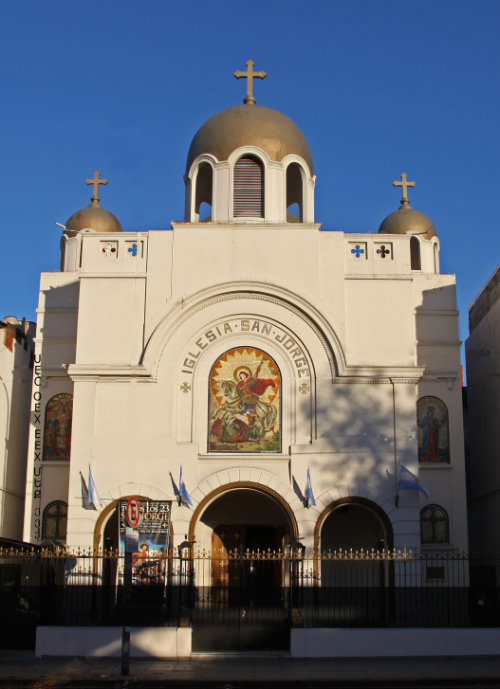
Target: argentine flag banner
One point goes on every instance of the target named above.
(93, 495)
(310, 501)
(185, 497)
(411, 482)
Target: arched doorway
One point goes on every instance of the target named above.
(355, 571)
(240, 570)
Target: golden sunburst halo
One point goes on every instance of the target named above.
(244, 359)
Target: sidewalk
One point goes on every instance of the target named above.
(22, 669)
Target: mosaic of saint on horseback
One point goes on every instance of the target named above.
(244, 407)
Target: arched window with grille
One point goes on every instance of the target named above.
(434, 525)
(55, 520)
(248, 197)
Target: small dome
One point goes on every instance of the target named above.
(407, 220)
(94, 217)
(249, 125)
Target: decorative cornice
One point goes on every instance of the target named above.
(378, 276)
(375, 381)
(419, 311)
(438, 343)
(107, 274)
(250, 225)
(106, 371)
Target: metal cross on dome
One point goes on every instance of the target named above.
(250, 75)
(96, 181)
(405, 184)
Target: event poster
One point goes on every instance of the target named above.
(150, 561)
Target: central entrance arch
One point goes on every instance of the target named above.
(242, 584)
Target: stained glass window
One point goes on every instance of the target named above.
(55, 519)
(433, 435)
(58, 419)
(434, 525)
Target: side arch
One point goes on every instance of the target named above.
(387, 571)
(351, 500)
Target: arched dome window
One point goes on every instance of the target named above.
(204, 193)
(248, 199)
(415, 254)
(294, 194)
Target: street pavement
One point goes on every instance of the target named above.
(22, 670)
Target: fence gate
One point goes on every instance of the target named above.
(241, 598)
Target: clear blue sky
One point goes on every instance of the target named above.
(378, 88)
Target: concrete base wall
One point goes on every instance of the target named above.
(356, 643)
(161, 642)
(145, 642)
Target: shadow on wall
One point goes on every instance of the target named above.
(57, 351)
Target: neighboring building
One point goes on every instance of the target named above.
(483, 400)
(246, 346)
(16, 372)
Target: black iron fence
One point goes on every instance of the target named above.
(246, 599)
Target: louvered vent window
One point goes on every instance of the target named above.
(248, 188)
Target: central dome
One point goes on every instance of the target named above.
(249, 125)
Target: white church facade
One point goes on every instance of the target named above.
(252, 348)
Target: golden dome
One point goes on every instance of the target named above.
(249, 125)
(94, 217)
(407, 220)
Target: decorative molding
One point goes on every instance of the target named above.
(255, 224)
(438, 343)
(378, 276)
(419, 311)
(55, 340)
(118, 274)
(57, 309)
(107, 371)
(375, 381)
(247, 295)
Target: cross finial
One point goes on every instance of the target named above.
(96, 181)
(405, 186)
(250, 75)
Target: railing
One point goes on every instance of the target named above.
(242, 589)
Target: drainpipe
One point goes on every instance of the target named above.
(394, 434)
